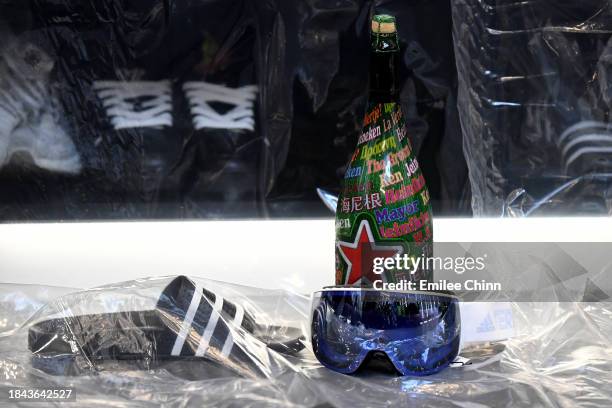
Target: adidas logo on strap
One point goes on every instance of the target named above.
(209, 323)
(201, 304)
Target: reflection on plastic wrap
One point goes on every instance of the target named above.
(119, 345)
(585, 195)
(29, 112)
(188, 323)
(535, 105)
(206, 109)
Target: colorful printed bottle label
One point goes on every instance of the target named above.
(383, 209)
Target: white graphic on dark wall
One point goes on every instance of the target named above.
(136, 104)
(240, 101)
(149, 104)
(586, 142)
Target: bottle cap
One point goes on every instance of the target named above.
(383, 24)
(384, 34)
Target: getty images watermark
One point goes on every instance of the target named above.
(410, 264)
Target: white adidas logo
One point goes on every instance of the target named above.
(149, 104)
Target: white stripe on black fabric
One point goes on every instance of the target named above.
(186, 326)
(587, 124)
(229, 341)
(239, 315)
(586, 150)
(590, 137)
(210, 326)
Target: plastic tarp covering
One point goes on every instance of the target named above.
(207, 108)
(534, 102)
(112, 349)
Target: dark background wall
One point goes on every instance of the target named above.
(309, 60)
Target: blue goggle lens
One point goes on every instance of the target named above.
(419, 332)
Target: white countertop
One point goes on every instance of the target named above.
(296, 254)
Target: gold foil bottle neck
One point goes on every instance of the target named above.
(383, 24)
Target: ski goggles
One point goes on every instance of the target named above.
(418, 331)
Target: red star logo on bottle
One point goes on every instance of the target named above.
(360, 254)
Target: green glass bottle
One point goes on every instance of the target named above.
(383, 208)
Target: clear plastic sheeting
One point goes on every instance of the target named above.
(535, 104)
(560, 356)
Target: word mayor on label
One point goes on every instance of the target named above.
(397, 214)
